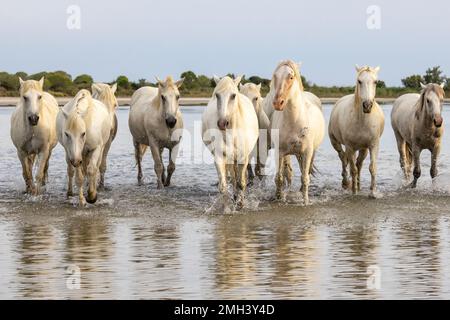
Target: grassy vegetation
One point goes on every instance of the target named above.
(60, 84)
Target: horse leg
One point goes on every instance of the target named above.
(417, 170)
(43, 157)
(359, 163)
(342, 156)
(70, 173)
(103, 164)
(434, 155)
(26, 171)
(92, 170)
(138, 154)
(159, 167)
(250, 173)
(170, 169)
(279, 178)
(350, 154)
(287, 171)
(80, 181)
(258, 165)
(44, 182)
(305, 162)
(221, 173)
(241, 183)
(373, 170)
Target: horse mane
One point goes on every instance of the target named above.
(80, 108)
(105, 95)
(294, 66)
(432, 87)
(224, 84)
(28, 85)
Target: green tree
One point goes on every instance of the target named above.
(381, 84)
(190, 80)
(22, 75)
(9, 82)
(203, 81)
(59, 81)
(123, 82)
(83, 81)
(434, 75)
(412, 82)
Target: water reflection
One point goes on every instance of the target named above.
(138, 242)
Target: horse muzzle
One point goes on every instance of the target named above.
(223, 124)
(171, 121)
(33, 119)
(438, 121)
(278, 104)
(367, 106)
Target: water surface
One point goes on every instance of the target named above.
(139, 242)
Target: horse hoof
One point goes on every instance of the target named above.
(69, 194)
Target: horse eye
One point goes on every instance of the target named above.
(83, 134)
(178, 97)
(67, 135)
(217, 96)
(233, 96)
(359, 81)
(428, 101)
(40, 97)
(256, 99)
(25, 98)
(163, 98)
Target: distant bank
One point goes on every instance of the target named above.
(12, 101)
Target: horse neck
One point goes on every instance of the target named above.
(296, 104)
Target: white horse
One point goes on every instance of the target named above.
(230, 131)
(155, 120)
(33, 131)
(253, 92)
(83, 126)
(105, 94)
(357, 122)
(267, 106)
(418, 124)
(299, 122)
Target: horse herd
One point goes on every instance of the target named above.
(236, 125)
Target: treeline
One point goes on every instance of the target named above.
(60, 83)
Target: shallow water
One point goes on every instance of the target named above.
(138, 242)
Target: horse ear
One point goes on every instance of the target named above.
(65, 113)
(237, 80)
(21, 81)
(159, 82)
(216, 79)
(357, 68)
(179, 82)
(259, 86)
(376, 69)
(41, 83)
(95, 88)
(241, 86)
(114, 88)
(423, 86)
(442, 85)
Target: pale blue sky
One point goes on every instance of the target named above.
(142, 39)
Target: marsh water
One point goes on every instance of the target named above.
(139, 242)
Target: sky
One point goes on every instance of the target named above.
(144, 39)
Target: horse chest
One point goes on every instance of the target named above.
(32, 144)
(294, 143)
